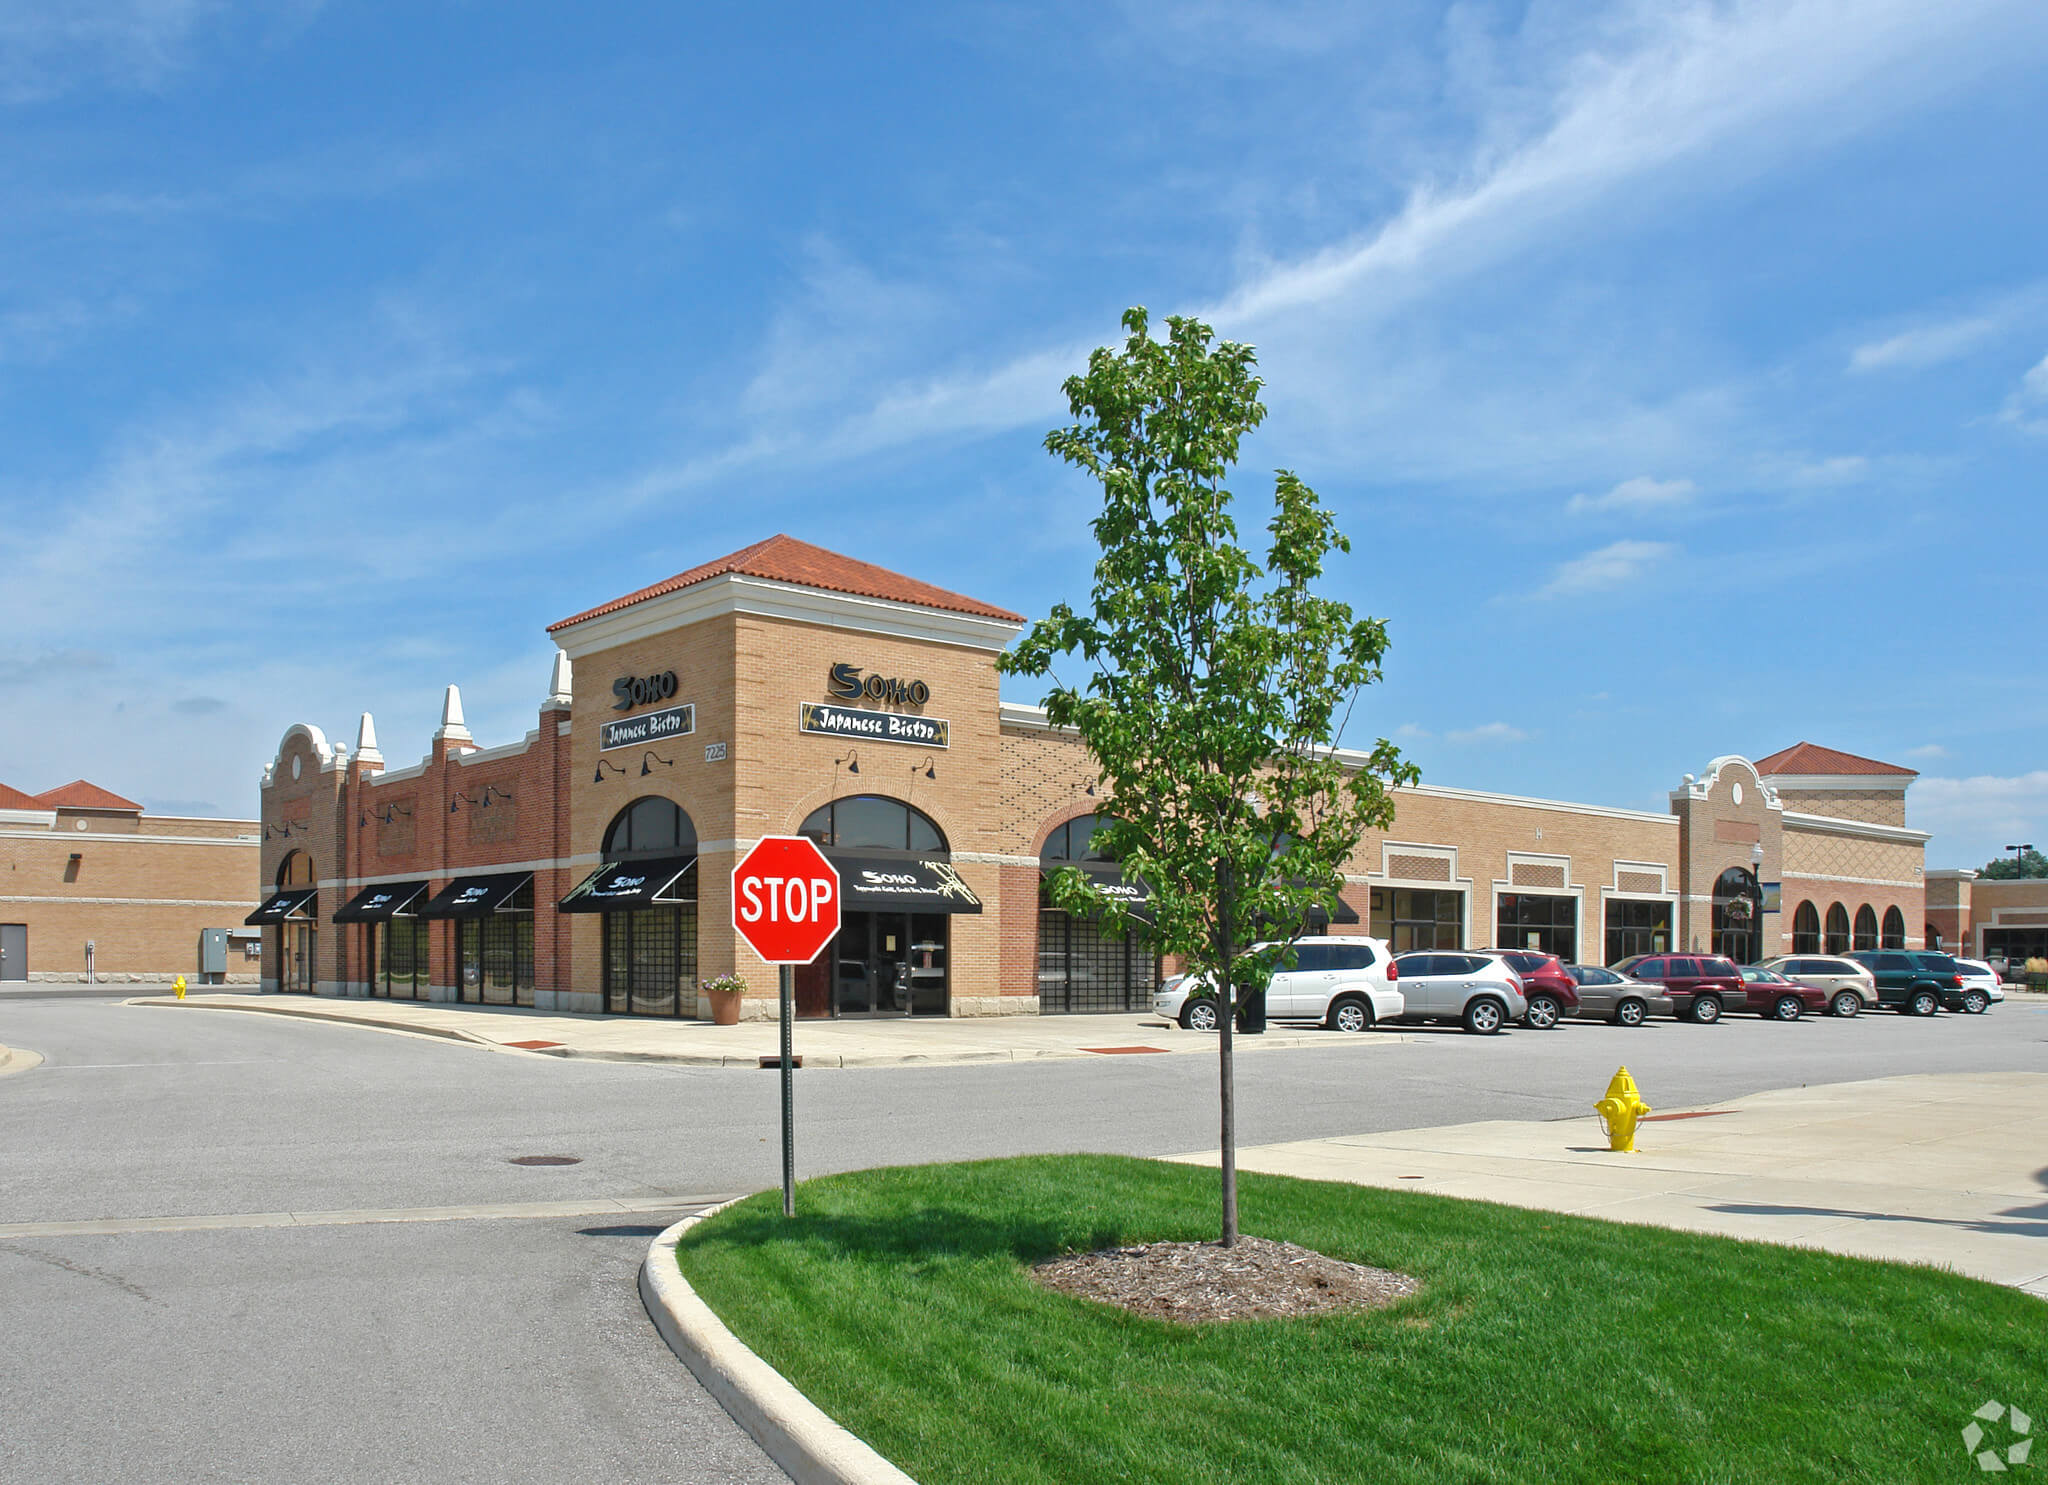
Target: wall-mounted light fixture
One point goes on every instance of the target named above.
(649, 758)
(923, 770)
(851, 762)
(460, 798)
(489, 790)
(384, 816)
(602, 765)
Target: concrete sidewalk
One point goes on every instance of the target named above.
(1944, 1169)
(849, 1043)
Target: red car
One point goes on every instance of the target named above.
(1701, 986)
(1553, 994)
(1780, 997)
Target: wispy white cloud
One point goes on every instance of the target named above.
(47, 48)
(1927, 750)
(1977, 813)
(1488, 732)
(1638, 496)
(1410, 732)
(1929, 345)
(1613, 565)
(2027, 407)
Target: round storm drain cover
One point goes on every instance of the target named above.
(547, 1160)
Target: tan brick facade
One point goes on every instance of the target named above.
(750, 649)
(139, 887)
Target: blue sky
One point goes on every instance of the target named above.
(1680, 371)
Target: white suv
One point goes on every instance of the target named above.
(1343, 982)
(1479, 990)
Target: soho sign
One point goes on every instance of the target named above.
(642, 690)
(847, 682)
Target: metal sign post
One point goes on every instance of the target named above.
(788, 977)
(785, 904)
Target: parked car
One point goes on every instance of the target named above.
(1625, 1002)
(1914, 982)
(1979, 978)
(1480, 991)
(1701, 986)
(1851, 988)
(1346, 983)
(1549, 988)
(1780, 997)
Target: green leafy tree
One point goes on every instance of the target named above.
(2028, 863)
(1216, 686)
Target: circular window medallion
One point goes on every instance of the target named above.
(1734, 792)
(80, 824)
(295, 774)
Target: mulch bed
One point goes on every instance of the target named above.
(1195, 1283)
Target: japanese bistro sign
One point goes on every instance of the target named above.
(648, 727)
(870, 726)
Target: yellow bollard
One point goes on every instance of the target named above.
(1620, 1111)
(178, 987)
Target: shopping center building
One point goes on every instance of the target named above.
(789, 690)
(91, 884)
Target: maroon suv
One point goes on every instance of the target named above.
(1553, 994)
(1701, 986)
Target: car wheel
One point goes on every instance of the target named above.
(1786, 1008)
(1631, 1013)
(1845, 1004)
(1706, 1009)
(1349, 1013)
(1976, 1002)
(1544, 1012)
(1485, 1016)
(1199, 1015)
(1924, 1003)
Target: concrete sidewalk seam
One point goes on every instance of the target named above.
(795, 1432)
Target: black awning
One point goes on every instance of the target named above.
(376, 904)
(621, 886)
(902, 884)
(1108, 878)
(297, 902)
(476, 897)
(1345, 913)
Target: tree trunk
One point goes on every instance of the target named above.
(1226, 994)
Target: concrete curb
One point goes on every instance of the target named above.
(13, 1060)
(447, 1033)
(795, 1432)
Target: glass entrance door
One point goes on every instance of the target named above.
(890, 964)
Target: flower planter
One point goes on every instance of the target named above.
(725, 1009)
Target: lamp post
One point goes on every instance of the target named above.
(2019, 855)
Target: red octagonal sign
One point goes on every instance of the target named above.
(785, 899)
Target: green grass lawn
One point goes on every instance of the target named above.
(1541, 1348)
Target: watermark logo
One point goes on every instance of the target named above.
(2018, 1426)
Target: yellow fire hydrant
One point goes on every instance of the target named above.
(178, 987)
(1620, 1111)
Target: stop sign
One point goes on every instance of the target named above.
(785, 899)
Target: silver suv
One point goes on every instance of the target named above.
(1478, 991)
(1344, 982)
(1851, 988)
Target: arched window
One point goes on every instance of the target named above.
(871, 822)
(650, 953)
(1933, 936)
(649, 827)
(1894, 929)
(296, 870)
(1866, 927)
(1738, 915)
(1075, 841)
(1838, 929)
(1806, 929)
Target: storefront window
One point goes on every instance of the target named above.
(870, 822)
(1894, 929)
(496, 953)
(1838, 930)
(405, 958)
(1081, 967)
(1415, 918)
(1866, 927)
(650, 953)
(1549, 925)
(1637, 928)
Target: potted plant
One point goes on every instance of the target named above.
(724, 992)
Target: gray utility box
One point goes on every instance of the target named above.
(213, 955)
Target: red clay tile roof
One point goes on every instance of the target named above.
(79, 795)
(784, 559)
(14, 799)
(1811, 758)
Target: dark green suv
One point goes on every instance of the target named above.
(1914, 981)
